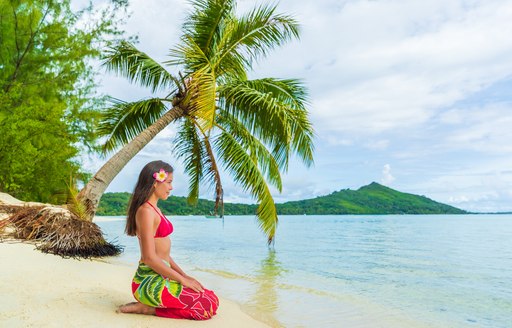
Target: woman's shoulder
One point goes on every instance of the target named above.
(145, 211)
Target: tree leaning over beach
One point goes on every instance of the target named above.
(249, 127)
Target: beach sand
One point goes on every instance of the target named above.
(43, 290)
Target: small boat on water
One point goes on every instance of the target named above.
(213, 215)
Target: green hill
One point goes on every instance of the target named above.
(116, 203)
(371, 199)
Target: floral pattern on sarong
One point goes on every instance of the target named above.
(170, 298)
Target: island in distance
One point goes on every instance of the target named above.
(371, 199)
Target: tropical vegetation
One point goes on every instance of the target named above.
(48, 107)
(48, 111)
(371, 199)
(226, 121)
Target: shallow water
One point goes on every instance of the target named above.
(351, 271)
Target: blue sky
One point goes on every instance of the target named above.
(415, 95)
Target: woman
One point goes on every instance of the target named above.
(160, 286)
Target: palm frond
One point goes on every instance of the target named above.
(234, 65)
(188, 54)
(206, 23)
(246, 172)
(123, 121)
(73, 203)
(194, 147)
(256, 149)
(138, 67)
(203, 88)
(292, 94)
(274, 111)
(258, 111)
(256, 33)
(190, 149)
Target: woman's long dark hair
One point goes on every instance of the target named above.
(142, 191)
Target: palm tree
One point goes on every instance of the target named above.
(250, 127)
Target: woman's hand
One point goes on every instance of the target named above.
(200, 284)
(192, 284)
(192, 278)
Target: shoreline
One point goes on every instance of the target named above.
(264, 304)
(206, 275)
(265, 318)
(47, 290)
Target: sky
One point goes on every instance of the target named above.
(413, 94)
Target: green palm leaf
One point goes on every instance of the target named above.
(189, 55)
(193, 147)
(257, 32)
(188, 147)
(205, 23)
(203, 86)
(137, 66)
(123, 121)
(274, 111)
(246, 172)
(255, 148)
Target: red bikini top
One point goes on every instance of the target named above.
(165, 227)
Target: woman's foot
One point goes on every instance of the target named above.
(136, 307)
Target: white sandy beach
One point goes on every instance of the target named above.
(43, 290)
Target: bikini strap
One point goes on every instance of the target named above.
(154, 209)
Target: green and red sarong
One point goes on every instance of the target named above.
(170, 299)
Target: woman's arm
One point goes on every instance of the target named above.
(177, 268)
(145, 227)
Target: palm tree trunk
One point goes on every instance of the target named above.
(90, 195)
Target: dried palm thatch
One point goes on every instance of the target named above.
(57, 231)
(8, 209)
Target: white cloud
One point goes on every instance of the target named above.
(377, 66)
(409, 83)
(387, 178)
(475, 186)
(333, 140)
(377, 144)
(485, 129)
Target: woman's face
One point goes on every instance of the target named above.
(163, 189)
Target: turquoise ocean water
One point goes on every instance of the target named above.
(351, 271)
